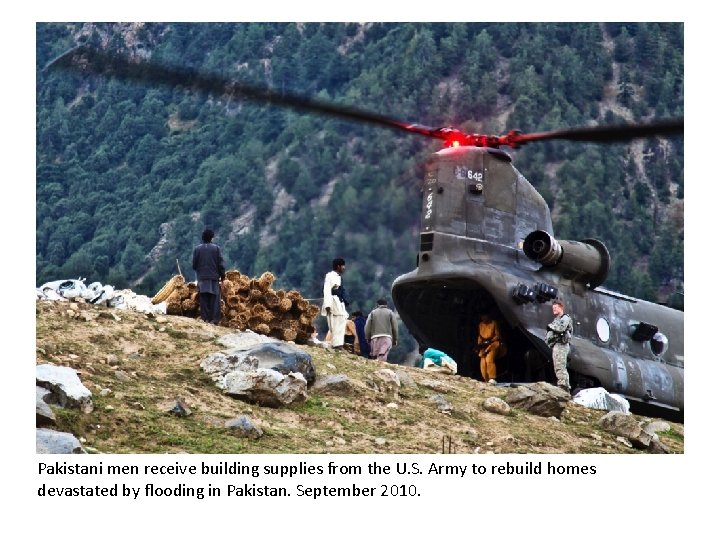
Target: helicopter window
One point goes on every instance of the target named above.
(603, 329)
(499, 185)
(659, 344)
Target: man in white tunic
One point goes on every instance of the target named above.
(334, 303)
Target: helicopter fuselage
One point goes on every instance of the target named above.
(478, 211)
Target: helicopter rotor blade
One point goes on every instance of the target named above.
(94, 61)
(600, 134)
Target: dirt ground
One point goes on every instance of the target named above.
(135, 363)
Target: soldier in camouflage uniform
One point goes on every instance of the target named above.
(558, 339)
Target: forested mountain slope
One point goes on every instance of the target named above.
(128, 175)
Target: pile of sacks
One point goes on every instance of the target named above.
(99, 294)
(248, 303)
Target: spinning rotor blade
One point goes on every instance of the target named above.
(601, 134)
(89, 60)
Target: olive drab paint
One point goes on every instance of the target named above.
(487, 244)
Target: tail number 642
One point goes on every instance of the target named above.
(428, 205)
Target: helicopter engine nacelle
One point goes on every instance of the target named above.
(587, 261)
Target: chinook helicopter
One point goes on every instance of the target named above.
(487, 245)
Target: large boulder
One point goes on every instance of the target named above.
(219, 364)
(266, 387)
(242, 341)
(283, 357)
(625, 425)
(542, 399)
(48, 441)
(43, 413)
(65, 387)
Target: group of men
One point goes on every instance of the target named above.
(381, 325)
(380, 328)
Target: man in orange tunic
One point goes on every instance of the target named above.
(488, 343)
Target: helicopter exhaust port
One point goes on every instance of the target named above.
(587, 261)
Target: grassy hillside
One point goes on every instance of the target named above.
(159, 358)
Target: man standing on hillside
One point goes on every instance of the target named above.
(558, 338)
(334, 302)
(381, 328)
(208, 264)
(489, 345)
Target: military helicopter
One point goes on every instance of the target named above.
(487, 245)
